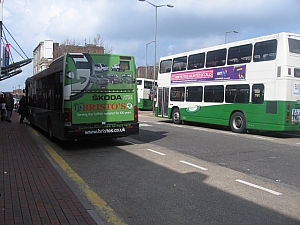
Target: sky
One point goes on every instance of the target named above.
(128, 26)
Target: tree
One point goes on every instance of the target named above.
(99, 41)
(68, 41)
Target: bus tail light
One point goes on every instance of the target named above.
(68, 115)
(289, 71)
(136, 118)
(287, 118)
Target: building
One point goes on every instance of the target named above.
(142, 73)
(47, 51)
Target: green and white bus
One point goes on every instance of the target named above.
(249, 84)
(77, 99)
(145, 89)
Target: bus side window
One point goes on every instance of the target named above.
(216, 58)
(179, 64)
(239, 54)
(165, 66)
(237, 93)
(258, 93)
(265, 50)
(177, 94)
(214, 93)
(196, 61)
(194, 94)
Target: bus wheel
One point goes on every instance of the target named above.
(238, 122)
(176, 116)
(50, 134)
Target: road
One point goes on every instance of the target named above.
(188, 174)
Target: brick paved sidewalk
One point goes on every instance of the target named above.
(32, 191)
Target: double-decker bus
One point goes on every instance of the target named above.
(249, 84)
(145, 89)
(73, 99)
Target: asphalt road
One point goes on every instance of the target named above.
(189, 174)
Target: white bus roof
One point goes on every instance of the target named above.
(227, 45)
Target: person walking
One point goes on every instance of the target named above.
(9, 107)
(2, 107)
(22, 110)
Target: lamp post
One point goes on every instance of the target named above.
(155, 31)
(147, 58)
(227, 32)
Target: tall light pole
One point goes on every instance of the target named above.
(155, 31)
(147, 58)
(227, 32)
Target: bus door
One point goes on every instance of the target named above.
(163, 101)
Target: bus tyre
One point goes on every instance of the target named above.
(238, 122)
(50, 134)
(176, 116)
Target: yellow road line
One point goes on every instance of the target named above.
(91, 195)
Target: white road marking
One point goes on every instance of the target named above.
(199, 167)
(174, 125)
(200, 128)
(259, 187)
(155, 152)
(145, 125)
(264, 138)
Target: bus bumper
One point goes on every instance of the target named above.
(78, 133)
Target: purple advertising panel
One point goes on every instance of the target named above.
(224, 73)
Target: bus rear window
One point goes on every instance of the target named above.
(124, 65)
(294, 46)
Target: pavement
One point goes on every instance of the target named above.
(32, 191)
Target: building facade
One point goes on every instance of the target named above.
(141, 72)
(47, 51)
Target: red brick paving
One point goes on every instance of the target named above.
(31, 190)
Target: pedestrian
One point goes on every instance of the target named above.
(9, 107)
(22, 110)
(2, 107)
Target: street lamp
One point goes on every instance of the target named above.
(147, 58)
(155, 31)
(227, 32)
